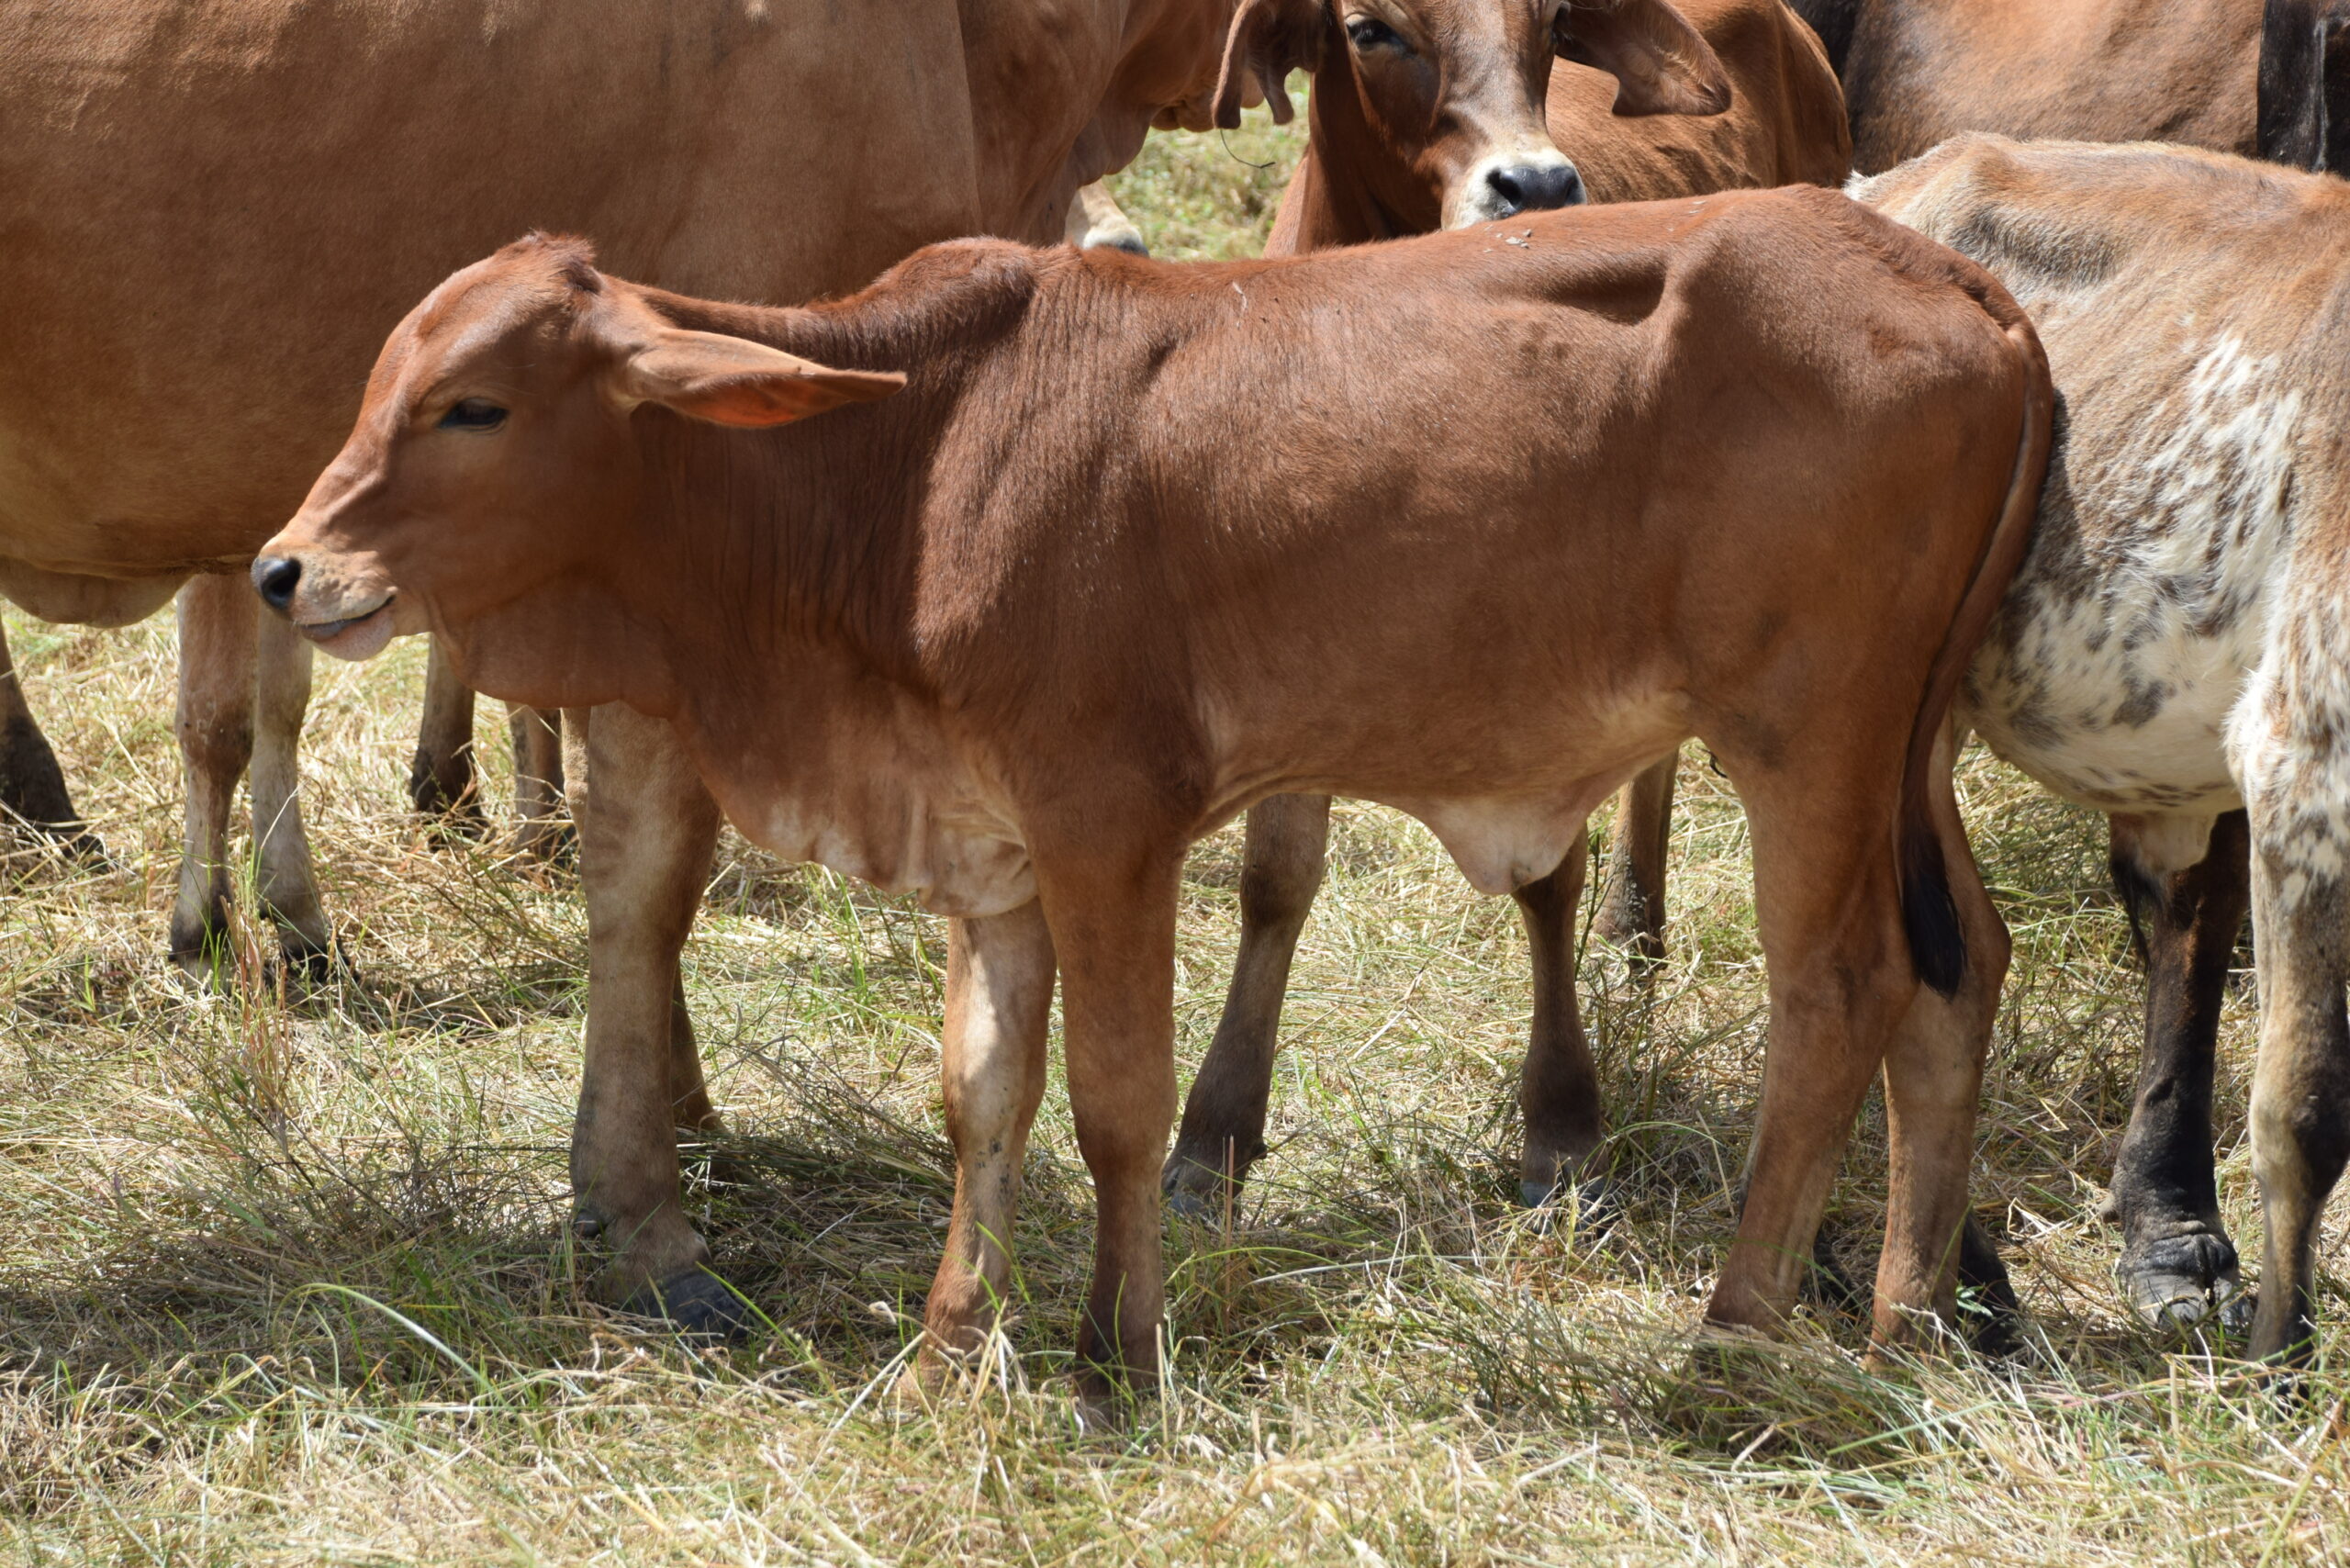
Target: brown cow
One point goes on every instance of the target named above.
(1015, 637)
(208, 225)
(1395, 148)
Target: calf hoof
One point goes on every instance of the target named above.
(2180, 1282)
(694, 1302)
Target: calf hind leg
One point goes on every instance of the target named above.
(539, 830)
(2178, 1264)
(1223, 1119)
(287, 881)
(1559, 1085)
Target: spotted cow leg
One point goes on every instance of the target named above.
(2177, 1265)
(648, 831)
(442, 781)
(1223, 1120)
(32, 787)
(2300, 1091)
(1632, 914)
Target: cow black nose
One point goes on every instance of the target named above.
(1527, 188)
(275, 578)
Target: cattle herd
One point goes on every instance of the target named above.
(1002, 579)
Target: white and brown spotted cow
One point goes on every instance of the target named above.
(2178, 645)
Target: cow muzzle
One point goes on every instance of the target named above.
(351, 619)
(1504, 184)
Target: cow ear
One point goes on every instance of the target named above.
(1269, 39)
(734, 381)
(1662, 64)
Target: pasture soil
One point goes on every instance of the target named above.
(286, 1276)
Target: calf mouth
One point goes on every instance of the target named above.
(354, 637)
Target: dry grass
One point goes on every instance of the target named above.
(285, 1279)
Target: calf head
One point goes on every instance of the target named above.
(495, 470)
(1437, 106)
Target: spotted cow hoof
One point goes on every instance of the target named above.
(2184, 1282)
(695, 1303)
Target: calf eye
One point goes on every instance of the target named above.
(473, 414)
(1370, 32)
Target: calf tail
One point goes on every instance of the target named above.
(1929, 914)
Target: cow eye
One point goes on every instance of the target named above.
(1370, 32)
(473, 414)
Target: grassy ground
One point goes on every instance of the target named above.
(287, 1280)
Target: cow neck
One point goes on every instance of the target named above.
(1351, 211)
(810, 535)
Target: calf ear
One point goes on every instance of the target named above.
(734, 381)
(1269, 39)
(1662, 64)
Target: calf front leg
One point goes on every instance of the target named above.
(999, 1003)
(441, 780)
(32, 787)
(287, 882)
(648, 831)
(1113, 928)
(1223, 1120)
(2178, 1264)
(1632, 914)
(214, 725)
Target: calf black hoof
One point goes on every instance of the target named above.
(695, 1303)
(2183, 1282)
(1194, 1190)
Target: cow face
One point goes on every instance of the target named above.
(494, 456)
(1437, 106)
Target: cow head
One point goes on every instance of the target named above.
(1437, 106)
(493, 457)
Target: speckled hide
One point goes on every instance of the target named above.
(2175, 646)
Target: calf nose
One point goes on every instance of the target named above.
(275, 578)
(1526, 188)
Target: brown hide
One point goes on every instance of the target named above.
(1747, 468)
(1918, 71)
(216, 212)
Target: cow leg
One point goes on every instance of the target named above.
(442, 781)
(1933, 1081)
(288, 883)
(32, 787)
(1223, 1120)
(540, 830)
(214, 725)
(1632, 914)
(2178, 1264)
(648, 831)
(1840, 980)
(1559, 1085)
(1113, 931)
(999, 1005)
(2300, 1091)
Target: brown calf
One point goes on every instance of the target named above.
(1755, 469)
(1411, 100)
